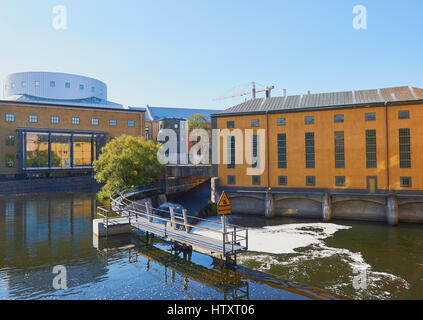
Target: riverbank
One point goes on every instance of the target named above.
(36, 186)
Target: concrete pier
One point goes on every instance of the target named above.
(115, 227)
(214, 186)
(269, 205)
(392, 212)
(327, 207)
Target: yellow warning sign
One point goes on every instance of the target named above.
(224, 205)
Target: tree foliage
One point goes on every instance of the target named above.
(198, 121)
(127, 161)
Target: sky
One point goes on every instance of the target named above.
(187, 53)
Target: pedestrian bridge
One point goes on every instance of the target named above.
(174, 227)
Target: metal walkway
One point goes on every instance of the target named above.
(177, 229)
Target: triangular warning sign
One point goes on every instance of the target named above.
(224, 200)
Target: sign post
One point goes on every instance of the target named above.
(224, 208)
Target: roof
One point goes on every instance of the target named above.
(91, 102)
(160, 113)
(62, 103)
(324, 100)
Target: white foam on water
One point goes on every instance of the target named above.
(279, 239)
(270, 241)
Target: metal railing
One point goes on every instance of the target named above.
(233, 240)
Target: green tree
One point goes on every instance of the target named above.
(198, 121)
(127, 161)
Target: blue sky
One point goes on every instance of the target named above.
(185, 53)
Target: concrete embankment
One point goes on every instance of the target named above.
(66, 184)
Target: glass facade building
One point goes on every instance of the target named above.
(42, 150)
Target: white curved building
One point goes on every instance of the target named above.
(56, 88)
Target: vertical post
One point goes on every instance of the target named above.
(225, 236)
(184, 213)
(148, 210)
(49, 150)
(172, 217)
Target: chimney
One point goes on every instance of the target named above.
(284, 93)
(268, 91)
(308, 92)
(253, 90)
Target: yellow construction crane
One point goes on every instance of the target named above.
(253, 92)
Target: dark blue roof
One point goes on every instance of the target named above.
(159, 113)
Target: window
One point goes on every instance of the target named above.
(92, 89)
(309, 150)
(52, 84)
(231, 152)
(75, 120)
(10, 160)
(33, 118)
(37, 83)
(371, 155)
(230, 124)
(10, 140)
(231, 179)
(10, 117)
(131, 123)
(338, 118)
(23, 84)
(13, 85)
(113, 123)
(176, 126)
(81, 87)
(340, 181)
(370, 116)
(310, 180)
(255, 152)
(283, 180)
(339, 150)
(54, 119)
(404, 114)
(255, 123)
(309, 120)
(94, 122)
(67, 85)
(404, 148)
(405, 182)
(282, 163)
(256, 180)
(281, 122)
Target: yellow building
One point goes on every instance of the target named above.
(42, 139)
(355, 148)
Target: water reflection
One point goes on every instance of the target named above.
(42, 231)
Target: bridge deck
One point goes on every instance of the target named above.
(176, 228)
(168, 233)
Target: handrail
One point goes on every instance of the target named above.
(232, 237)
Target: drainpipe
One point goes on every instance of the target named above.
(387, 147)
(267, 150)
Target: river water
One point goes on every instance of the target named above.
(349, 259)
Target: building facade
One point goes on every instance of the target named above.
(359, 150)
(55, 124)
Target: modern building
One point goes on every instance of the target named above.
(55, 124)
(354, 154)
